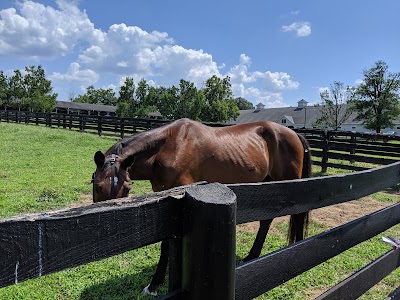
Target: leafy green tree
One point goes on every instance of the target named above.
(126, 101)
(4, 91)
(220, 105)
(243, 104)
(39, 96)
(97, 96)
(376, 99)
(333, 108)
(143, 105)
(191, 101)
(169, 103)
(17, 90)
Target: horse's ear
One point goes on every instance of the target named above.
(128, 162)
(99, 159)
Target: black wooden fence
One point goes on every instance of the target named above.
(349, 147)
(35, 245)
(101, 125)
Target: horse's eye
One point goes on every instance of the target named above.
(97, 189)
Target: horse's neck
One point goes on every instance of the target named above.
(144, 148)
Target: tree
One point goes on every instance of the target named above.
(4, 91)
(243, 104)
(38, 91)
(333, 107)
(17, 90)
(376, 99)
(143, 105)
(97, 96)
(220, 105)
(169, 102)
(190, 101)
(126, 101)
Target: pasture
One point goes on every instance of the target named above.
(46, 168)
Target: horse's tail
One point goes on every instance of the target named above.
(298, 225)
(307, 162)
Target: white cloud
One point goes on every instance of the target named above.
(150, 55)
(42, 31)
(36, 30)
(265, 87)
(323, 90)
(302, 29)
(359, 81)
(74, 73)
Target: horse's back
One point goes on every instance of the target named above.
(248, 152)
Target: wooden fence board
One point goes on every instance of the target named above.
(35, 245)
(395, 295)
(260, 201)
(267, 272)
(366, 159)
(358, 283)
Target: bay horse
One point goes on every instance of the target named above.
(185, 151)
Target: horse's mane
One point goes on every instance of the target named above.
(139, 142)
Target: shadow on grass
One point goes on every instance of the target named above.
(127, 287)
(123, 287)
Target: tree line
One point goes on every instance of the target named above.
(31, 91)
(375, 101)
(212, 103)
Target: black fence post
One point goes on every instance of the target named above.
(99, 125)
(64, 123)
(209, 243)
(48, 119)
(80, 123)
(325, 150)
(353, 146)
(122, 128)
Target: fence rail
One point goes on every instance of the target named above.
(35, 245)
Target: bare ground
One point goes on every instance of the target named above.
(332, 216)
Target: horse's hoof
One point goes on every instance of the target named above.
(146, 291)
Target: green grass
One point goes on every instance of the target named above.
(45, 169)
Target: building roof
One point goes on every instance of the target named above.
(86, 106)
(300, 116)
(294, 114)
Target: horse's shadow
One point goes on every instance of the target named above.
(122, 287)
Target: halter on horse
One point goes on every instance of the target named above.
(186, 151)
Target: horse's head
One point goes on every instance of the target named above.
(111, 179)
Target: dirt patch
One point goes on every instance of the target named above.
(83, 200)
(331, 216)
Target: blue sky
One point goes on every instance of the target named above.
(276, 52)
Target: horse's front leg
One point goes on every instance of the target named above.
(159, 275)
(259, 241)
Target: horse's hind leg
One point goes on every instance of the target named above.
(298, 227)
(259, 241)
(159, 275)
